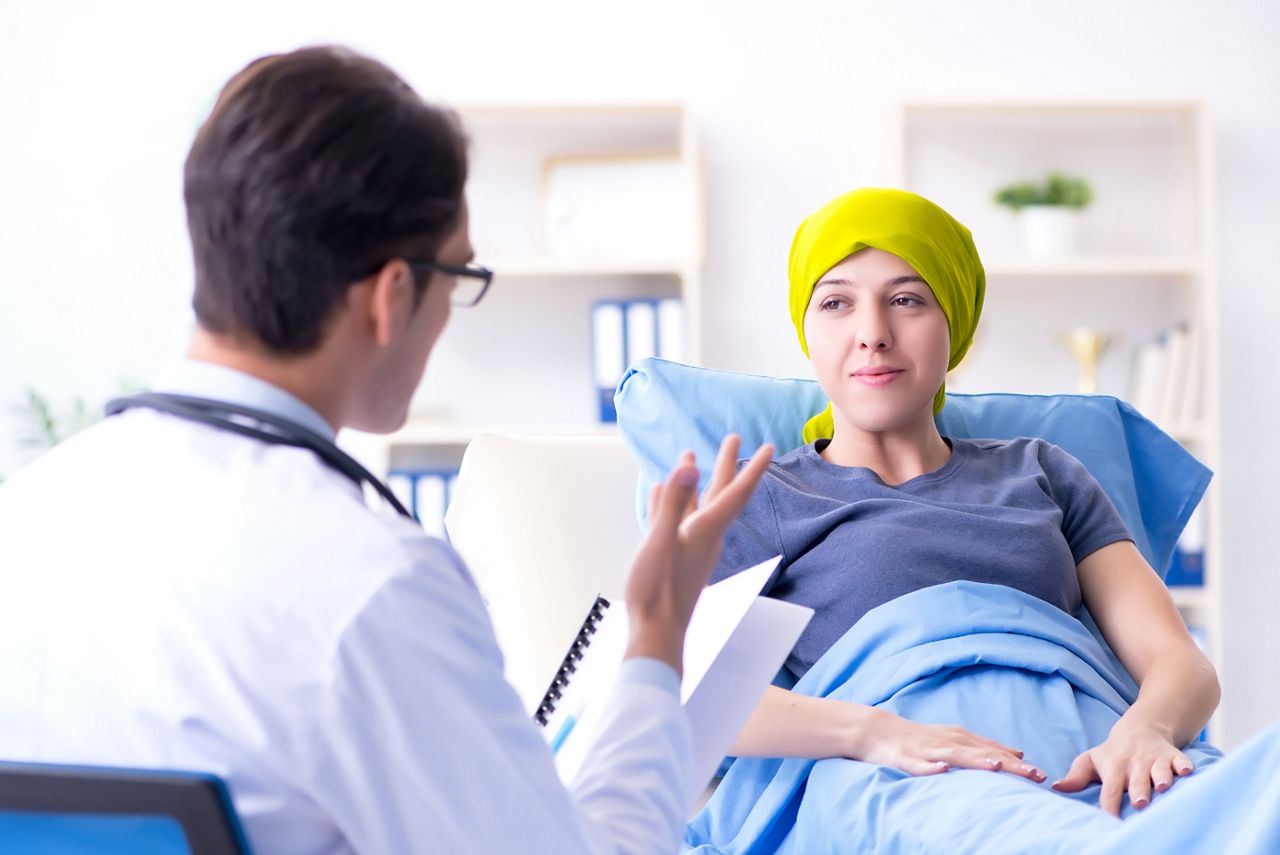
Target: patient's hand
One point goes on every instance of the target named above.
(1136, 758)
(927, 749)
(682, 548)
(785, 724)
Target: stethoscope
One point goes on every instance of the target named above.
(270, 429)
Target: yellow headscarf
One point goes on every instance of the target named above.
(911, 227)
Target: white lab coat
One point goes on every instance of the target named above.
(176, 596)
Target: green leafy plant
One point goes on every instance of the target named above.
(40, 425)
(1057, 189)
(40, 428)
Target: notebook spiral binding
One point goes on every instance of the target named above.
(570, 662)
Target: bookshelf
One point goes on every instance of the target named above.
(1143, 263)
(521, 361)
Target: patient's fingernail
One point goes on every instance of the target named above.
(1140, 804)
(687, 477)
(1185, 770)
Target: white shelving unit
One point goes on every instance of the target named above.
(521, 361)
(1143, 264)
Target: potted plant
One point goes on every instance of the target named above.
(41, 426)
(1049, 212)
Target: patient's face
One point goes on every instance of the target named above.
(879, 341)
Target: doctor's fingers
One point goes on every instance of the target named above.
(670, 501)
(655, 502)
(726, 464)
(722, 508)
(686, 458)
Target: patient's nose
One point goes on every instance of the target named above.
(872, 331)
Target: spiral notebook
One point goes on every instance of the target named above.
(736, 642)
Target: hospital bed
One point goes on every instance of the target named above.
(547, 523)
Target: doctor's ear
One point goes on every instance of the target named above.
(386, 300)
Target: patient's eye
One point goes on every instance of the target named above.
(906, 300)
(831, 304)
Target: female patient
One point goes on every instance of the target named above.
(886, 291)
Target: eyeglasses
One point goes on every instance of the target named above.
(470, 281)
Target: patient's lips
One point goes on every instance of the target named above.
(876, 375)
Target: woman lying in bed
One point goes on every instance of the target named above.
(886, 292)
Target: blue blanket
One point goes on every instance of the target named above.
(1010, 667)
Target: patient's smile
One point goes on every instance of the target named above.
(877, 376)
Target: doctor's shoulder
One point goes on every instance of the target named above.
(77, 465)
(401, 547)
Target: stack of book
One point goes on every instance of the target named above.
(1168, 378)
(426, 493)
(625, 331)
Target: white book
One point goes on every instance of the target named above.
(1148, 378)
(1191, 411)
(642, 331)
(1174, 382)
(736, 642)
(671, 329)
(402, 486)
(606, 342)
(430, 490)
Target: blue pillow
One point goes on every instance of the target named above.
(665, 407)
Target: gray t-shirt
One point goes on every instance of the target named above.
(1021, 513)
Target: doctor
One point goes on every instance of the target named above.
(185, 586)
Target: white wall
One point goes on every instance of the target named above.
(98, 103)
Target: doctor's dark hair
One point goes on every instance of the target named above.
(313, 168)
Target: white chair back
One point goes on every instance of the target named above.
(545, 524)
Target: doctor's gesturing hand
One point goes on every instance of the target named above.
(685, 538)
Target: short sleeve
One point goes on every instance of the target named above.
(753, 537)
(1089, 520)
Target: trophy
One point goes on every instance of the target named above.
(1086, 346)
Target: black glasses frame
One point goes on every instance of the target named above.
(466, 271)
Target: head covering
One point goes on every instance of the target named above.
(911, 227)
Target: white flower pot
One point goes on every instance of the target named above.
(1049, 230)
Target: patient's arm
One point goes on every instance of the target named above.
(1178, 686)
(785, 724)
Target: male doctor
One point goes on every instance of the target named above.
(186, 590)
